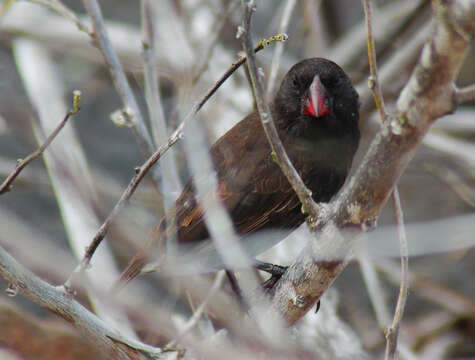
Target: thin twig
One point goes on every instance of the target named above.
(142, 171)
(6, 185)
(236, 65)
(218, 281)
(118, 77)
(140, 174)
(373, 82)
(278, 150)
(274, 70)
(393, 331)
(465, 94)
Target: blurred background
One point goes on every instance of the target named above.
(40, 220)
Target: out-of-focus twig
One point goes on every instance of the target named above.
(119, 78)
(170, 184)
(6, 185)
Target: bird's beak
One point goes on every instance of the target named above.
(316, 101)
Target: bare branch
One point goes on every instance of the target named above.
(118, 77)
(392, 332)
(6, 185)
(375, 86)
(427, 96)
(170, 185)
(93, 328)
(373, 81)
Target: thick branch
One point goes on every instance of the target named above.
(427, 96)
(94, 329)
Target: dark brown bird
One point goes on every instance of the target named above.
(316, 114)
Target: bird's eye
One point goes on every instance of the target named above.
(295, 82)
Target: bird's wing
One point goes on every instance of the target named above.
(248, 180)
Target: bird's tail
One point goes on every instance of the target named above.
(133, 269)
(154, 246)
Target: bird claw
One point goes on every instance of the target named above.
(271, 268)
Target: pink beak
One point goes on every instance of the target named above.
(316, 102)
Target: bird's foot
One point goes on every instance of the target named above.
(276, 272)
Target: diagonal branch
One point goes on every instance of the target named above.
(6, 185)
(427, 96)
(26, 283)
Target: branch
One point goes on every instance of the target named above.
(373, 81)
(278, 151)
(170, 185)
(93, 328)
(375, 86)
(139, 175)
(6, 185)
(118, 77)
(392, 332)
(427, 96)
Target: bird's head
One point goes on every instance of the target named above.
(317, 92)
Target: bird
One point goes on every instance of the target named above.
(316, 115)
